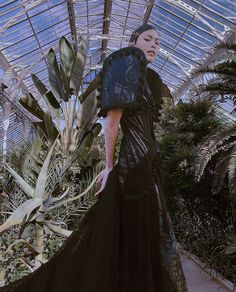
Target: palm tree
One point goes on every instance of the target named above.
(223, 81)
(221, 145)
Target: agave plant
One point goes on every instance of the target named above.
(223, 82)
(38, 207)
(223, 144)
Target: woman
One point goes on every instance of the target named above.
(125, 242)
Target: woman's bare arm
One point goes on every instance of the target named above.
(111, 130)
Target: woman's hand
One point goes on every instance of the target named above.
(102, 179)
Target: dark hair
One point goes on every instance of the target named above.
(136, 33)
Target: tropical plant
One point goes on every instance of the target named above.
(223, 81)
(182, 128)
(203, 222)
(205, 236)
(41, 202)
(68, 114)
(221, 144)
(37, 200)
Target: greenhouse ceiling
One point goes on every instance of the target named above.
(188, 29)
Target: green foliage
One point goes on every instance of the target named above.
(206, 236)
(51, 183)
(45, 125)
(203, 220)
(182, 129)
(56, 195)
(62, 100)
(222, 145)
(223, 81)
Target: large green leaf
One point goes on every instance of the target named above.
(24, 210)
(51, 130)
(21, 182)
(78, 66)
(87, 140)
(51, 100)
(31, 104)
(67, 56)
(53, 105)
(55, 76)
(87, 112)
(96, 129)
(65, 80)
(39, 84)
(42, 178)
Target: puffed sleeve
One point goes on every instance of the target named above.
(156, 85)
(123, 76)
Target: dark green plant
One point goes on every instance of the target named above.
(221, 144)
(203, 221)
(205, 236)
(223, 81)
(182, 128)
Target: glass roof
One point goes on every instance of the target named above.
(188, 31)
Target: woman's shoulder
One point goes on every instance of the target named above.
(126, 52)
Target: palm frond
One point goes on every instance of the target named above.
(227, 46)
(232, 170)
(212, 145)
(225, 68)
(218, 88)
(220, 171)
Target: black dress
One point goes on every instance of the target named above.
(125, 242)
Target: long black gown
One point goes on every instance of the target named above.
(125, 242)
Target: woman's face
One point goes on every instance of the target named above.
(148, 42)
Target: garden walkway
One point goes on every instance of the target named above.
(199, 280)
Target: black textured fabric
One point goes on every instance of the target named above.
(156, 90)
(123, 77)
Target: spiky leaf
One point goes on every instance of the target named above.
(24, 210)
(21, 182)
(42, 178)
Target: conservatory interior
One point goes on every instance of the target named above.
(52, 141)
